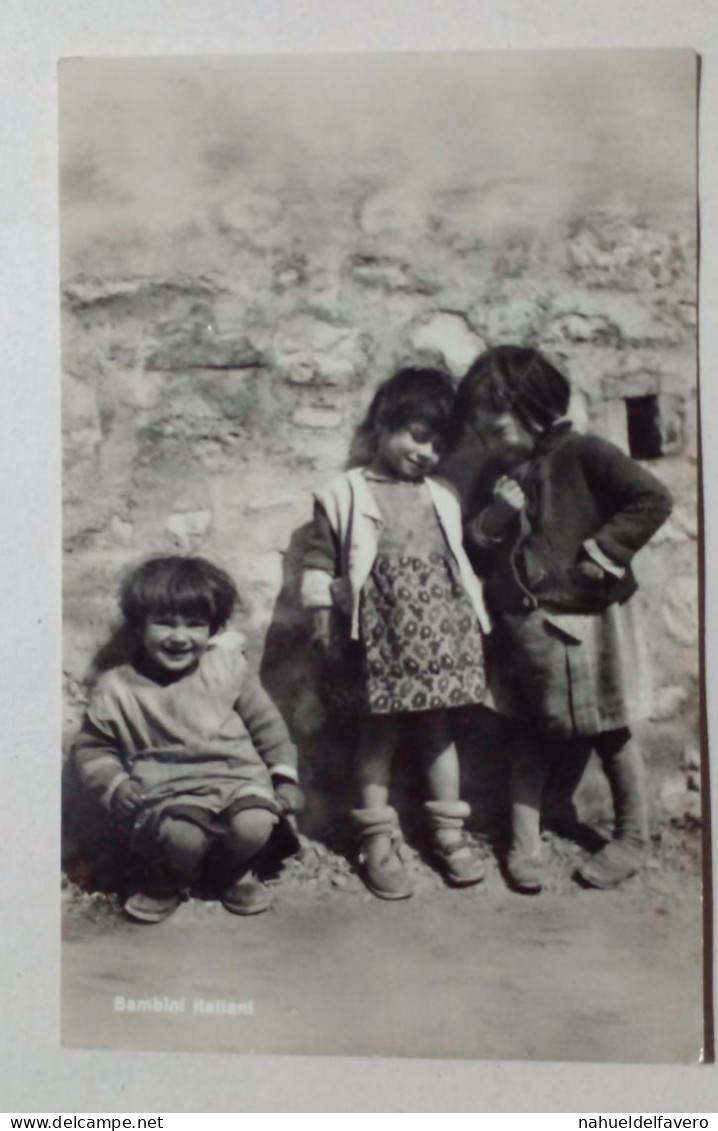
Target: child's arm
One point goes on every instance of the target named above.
(638, 502)
(498, 520)
(271, 740)
(321, 566)
(100, 767)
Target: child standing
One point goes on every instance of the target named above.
(182, 745)
(554, 546)
(386, 554)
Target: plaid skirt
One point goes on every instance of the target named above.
(571, 675)
(422, 646)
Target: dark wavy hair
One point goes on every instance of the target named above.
(514, 379)
(413, 394)
(179, 586)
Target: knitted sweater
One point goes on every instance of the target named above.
(206, 739)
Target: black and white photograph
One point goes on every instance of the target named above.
(383, 723)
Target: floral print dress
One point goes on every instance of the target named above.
(420, 639)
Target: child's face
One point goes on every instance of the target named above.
(502, 429)
(174, 643)
(410, 452)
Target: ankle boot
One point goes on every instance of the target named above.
(455, 853)
(380, 858)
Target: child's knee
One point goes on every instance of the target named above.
(529, 760)
(183, 843)
(250, 829)
(611, 744)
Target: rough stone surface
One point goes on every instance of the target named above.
(188, 528)
(388, 274)
(196, 343)
(670, 701)
(614, 253)
(680, 610)
(313, 350)
(449, 336)
(608, 418)
(691, 759)
(122, 529)
(317, 416)
(671, 423)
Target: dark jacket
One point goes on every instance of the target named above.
(578, 488)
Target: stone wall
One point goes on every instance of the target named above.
(204, 403)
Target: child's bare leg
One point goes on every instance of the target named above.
(446, 812)
(183, 845)
(376, 821)
(529, 771)
(249, 831)
(438, 750)
(377, 744)
(567, 767)
(624, 855)
(626, 772)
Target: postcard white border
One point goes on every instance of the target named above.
(35, 1074)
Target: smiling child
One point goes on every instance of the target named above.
(182, 746)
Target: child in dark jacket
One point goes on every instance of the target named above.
(183, 746)
(554, 544)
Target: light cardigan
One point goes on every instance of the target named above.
(356, 521)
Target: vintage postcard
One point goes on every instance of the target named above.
(383, 730)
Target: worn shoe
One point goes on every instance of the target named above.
(381, 859)
(387, 875)
(616, 862)
(459, 862)
(144, 908)
(525, 873)
(247, 896)
(451, 847)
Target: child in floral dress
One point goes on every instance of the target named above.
(386, 556)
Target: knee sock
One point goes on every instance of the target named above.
(529, 770)
(446, 819)
(624, 767)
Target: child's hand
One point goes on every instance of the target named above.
(323, 639)
(508, 493)
(509, 500)
(127, 798)
(321, 634)
(592, 571)
(289, 796)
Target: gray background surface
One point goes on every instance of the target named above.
(35, 1073)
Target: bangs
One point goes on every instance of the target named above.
(188, 587)
(492, 395)
(437, 416)
(180, 598)
(424, 396)
(507, 378)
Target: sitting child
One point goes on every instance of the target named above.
(182, 746)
